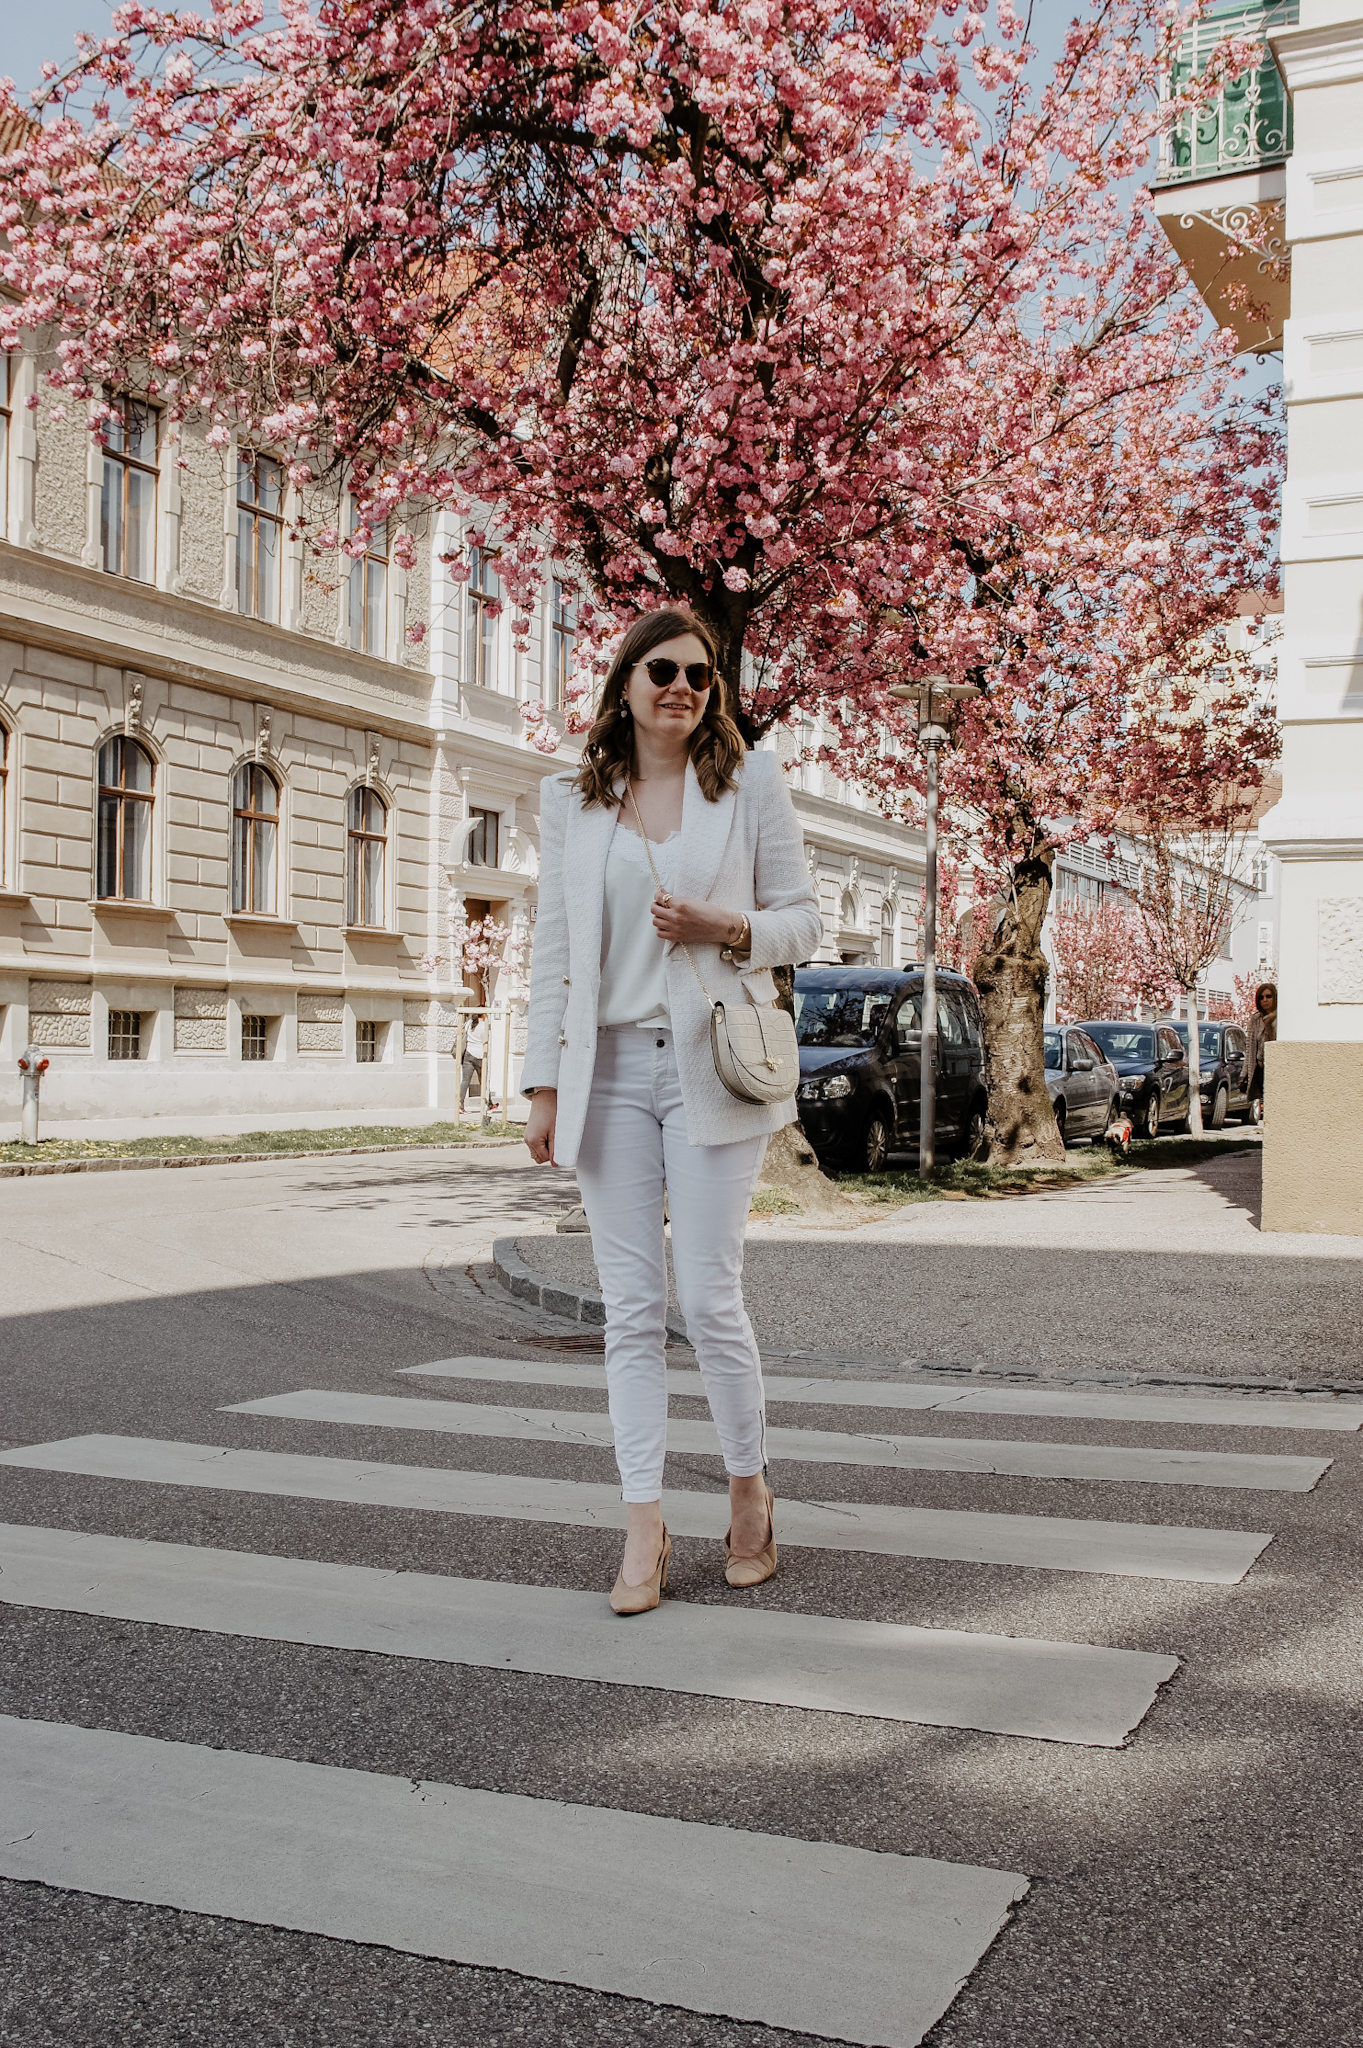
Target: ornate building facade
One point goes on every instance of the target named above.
(253, 800)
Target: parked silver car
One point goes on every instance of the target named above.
(1082, 1083)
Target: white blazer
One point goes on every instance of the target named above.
(746, 854)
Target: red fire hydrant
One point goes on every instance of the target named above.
(32, 1065)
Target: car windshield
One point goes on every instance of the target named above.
(840, 1016)
(1123, 1041)
(1208, 1037)
(1055, 1051)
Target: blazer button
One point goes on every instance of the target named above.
(567, 981)
(561, 1039)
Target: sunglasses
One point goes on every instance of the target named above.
(662, 673)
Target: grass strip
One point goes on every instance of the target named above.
(969, 1180)
(340, 1138)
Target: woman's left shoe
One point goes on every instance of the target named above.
(751, 1571)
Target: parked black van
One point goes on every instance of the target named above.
(860, 1034)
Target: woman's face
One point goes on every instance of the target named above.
(670, 712)
(1268, 1002)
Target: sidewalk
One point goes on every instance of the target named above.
(1156, 1272)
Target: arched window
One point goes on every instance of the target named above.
(366, 839)
(255, 839)
(4, 797)
(887, 933)
(123, 845)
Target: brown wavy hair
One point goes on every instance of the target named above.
(717, 747)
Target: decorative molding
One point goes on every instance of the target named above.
(1339, 948)
(371, 752)
(1309, 57)
(264, 737)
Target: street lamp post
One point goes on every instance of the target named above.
(931, 698)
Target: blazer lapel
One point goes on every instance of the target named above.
(586, 844)
(705, 834)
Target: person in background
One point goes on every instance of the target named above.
(472, 1064)
(1262, 1031)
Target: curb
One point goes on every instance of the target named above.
(17, 1170)
(575, 1303)
(579, 1306)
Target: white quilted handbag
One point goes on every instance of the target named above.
(754, 1046)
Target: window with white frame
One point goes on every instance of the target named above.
(366, 846)
(367, 592)
(562, 636)
(480, 636)
(127, 498)
(887, 933)
(484, 850)
(127, 777)
(255, 840)
(260, 536)
(1263, 872)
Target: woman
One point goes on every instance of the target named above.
(670, 839)
(1262, 1031)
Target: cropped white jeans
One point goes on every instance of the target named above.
(633, 1145)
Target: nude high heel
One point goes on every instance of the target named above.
(751, 1571)
(640, 1599)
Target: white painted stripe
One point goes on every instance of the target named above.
(1142, 1550)
(869, 1948)
(948, 1678)
(1260, 1472)
(1097, 1404)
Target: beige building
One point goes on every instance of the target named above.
(1281, 207)
(253, 799)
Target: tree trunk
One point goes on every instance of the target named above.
(1194, 1063)
(1010, 975)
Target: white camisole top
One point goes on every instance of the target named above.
(633, 965)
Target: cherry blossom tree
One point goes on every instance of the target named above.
(1105, 965)
(827, 319)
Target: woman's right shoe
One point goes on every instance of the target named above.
(639, 1599)
(753, 1571)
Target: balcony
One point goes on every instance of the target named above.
(1220, 184)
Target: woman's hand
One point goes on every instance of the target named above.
(695, 923)
(539, 1128)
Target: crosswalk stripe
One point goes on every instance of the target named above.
(1005, 1685)
(1148, 1550)
(1096, 1404)
(823, 1447)
(862, 1946)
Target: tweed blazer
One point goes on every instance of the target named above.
(744, 853)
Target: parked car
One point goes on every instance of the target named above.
(860, 1035)
(1082, 1083)
(1225, 1084)
(1152, 1063)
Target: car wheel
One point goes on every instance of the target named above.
(1148, 1123)
(1256, 1111)
(1219, 1108)
(1109, 1119)
(972, 1132)
(1060, 1120)
(875, 1142)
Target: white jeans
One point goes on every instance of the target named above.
(633, 1144)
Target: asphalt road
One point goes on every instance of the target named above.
(1198, 1886)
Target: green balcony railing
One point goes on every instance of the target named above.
(1249, 123)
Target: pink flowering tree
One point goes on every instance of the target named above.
(827, 319)
(1105, 965)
